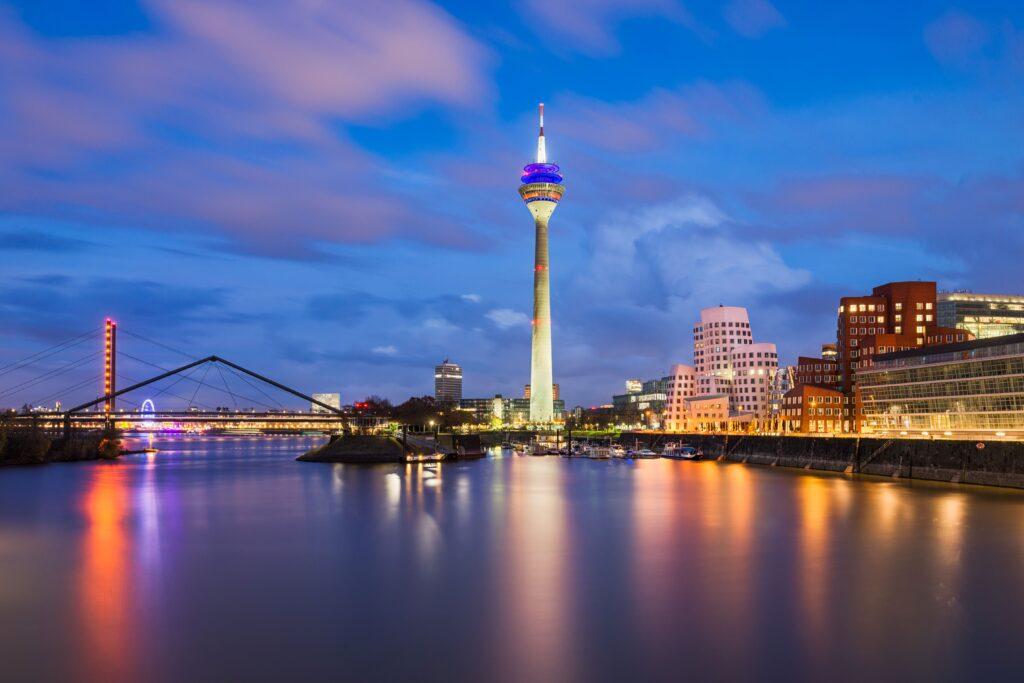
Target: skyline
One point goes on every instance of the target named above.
(284, 212)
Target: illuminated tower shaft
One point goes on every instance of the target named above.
(109, 365)
(541, 189)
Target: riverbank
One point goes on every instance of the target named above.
(32, 446)
(987, 463)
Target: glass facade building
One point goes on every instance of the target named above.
(984, 315)
(971, 387)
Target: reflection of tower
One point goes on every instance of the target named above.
(109, 364)
(541, 189)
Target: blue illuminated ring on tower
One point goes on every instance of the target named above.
(541, 173)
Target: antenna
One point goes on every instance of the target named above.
(542, 152)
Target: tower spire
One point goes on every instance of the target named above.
(542, 152)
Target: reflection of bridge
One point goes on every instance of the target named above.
(86, 415)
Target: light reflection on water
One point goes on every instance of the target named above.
(224, 559)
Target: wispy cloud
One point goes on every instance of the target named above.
(753, 18)
(506, 318)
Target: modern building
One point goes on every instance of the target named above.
(895, 317)
(710, 412)
(822, 371)
(331, 399)
(682, 386)
(447, 382)
(815, 409)
(541, 188)
(505, 410)
(983, 315)
(645, 399)
(728, 362)
(971, 387)
(485, 409)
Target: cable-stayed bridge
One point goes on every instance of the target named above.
(70, 385)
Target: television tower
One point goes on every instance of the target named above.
(541, 189)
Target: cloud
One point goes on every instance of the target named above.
(474, 298)
(753, 18)
(32, 240)
(956, 38)
(388, 350)
(506, 318)
(662, 116)
(589, 25)
(682, 256)
(230, 117)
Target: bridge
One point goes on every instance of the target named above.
(247, 414)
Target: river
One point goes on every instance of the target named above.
(223, 559)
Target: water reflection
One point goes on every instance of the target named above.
(105, 578)
(180, 567)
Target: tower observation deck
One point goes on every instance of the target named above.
(541, 188)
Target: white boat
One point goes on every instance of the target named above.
(617, 451)
(683, 453)
(598, 452)
(645, 453)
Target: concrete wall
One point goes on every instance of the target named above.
(999, 463)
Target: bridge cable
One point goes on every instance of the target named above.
(69, 389)
(200, 382)
(223, 379)
(48, 375)
(46, 353)
(160, 344)
(254, 386)
(167, 390)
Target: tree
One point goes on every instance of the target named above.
(109, 446)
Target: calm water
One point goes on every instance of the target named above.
(226, 560)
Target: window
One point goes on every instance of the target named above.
(899, 306)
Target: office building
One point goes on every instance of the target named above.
(447, 382)
(966, 388)
(811, 409)
(983, 315)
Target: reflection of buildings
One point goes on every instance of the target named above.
(972, 386)
(447, 382)
(331, 399)
(983, 315)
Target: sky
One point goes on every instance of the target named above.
(326, 191)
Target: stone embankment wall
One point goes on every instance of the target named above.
(997, 463)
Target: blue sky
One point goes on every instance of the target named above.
(326, 191)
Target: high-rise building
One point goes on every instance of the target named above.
(728, 362)
(331, 399)
(447, 382)
(541, 188)
(983, 315)
(895, 317)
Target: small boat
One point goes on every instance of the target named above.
(645, 453)
(598, 452)
(617, 451)
(507, 446)
(683, 453)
